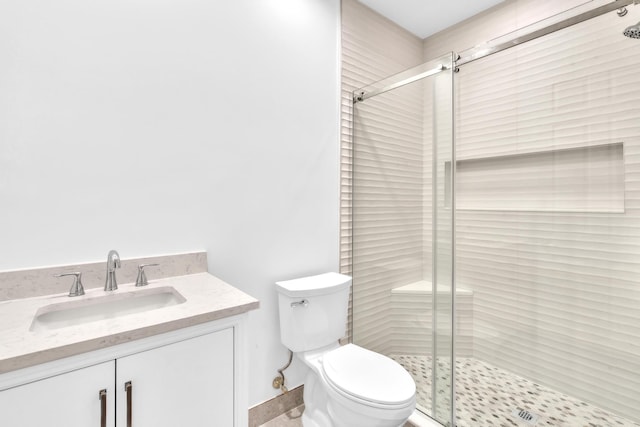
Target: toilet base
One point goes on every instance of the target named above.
(307, 421)
(324, 409)
(315, 402)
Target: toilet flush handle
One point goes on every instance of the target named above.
(302, 303)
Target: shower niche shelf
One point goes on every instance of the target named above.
(587, 179)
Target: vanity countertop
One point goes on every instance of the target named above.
(207, 298)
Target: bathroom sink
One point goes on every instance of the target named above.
(103, 307)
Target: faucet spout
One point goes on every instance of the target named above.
(113, 262)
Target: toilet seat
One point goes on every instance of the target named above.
(367, 377)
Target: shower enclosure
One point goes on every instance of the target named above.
(496, 226)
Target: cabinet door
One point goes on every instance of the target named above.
(188, 383)
(69, 400)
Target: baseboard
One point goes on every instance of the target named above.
(277, 406)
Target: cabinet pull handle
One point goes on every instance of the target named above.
(128, 387)
(102, 396)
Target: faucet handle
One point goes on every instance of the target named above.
(76, 288)
(142, 277)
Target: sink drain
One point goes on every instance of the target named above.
(526, 416)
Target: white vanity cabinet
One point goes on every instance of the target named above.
(189, 377)
(70, 400)
(189, 383)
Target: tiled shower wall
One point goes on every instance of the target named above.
(556, 288)
(388, 234)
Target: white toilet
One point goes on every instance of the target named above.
(346, 386)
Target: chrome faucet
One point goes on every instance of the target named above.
(76, 289)
(113, 262)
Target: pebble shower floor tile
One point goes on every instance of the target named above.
(487, 396)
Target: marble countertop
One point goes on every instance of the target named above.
(207, 298)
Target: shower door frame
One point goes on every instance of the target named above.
(584, 12)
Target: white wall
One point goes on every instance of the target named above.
(160, 127)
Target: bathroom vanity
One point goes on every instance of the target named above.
(170, 354)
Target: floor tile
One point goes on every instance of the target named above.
(487, 396)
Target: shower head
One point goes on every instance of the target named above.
(633, 31)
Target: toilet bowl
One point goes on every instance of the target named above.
(346, 386)
(362, 388)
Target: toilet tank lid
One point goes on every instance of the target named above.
(320, 284)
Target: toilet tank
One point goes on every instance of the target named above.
(313, 310)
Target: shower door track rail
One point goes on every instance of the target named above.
(529, 32)
(361, 95)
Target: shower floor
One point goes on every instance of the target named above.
(488, 396)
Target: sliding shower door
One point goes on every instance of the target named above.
(402, 257)
(548, 230)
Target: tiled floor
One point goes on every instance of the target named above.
(487, 396)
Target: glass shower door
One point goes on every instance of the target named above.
(402, 232)
(548, 229)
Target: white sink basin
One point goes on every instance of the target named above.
(103, 307)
